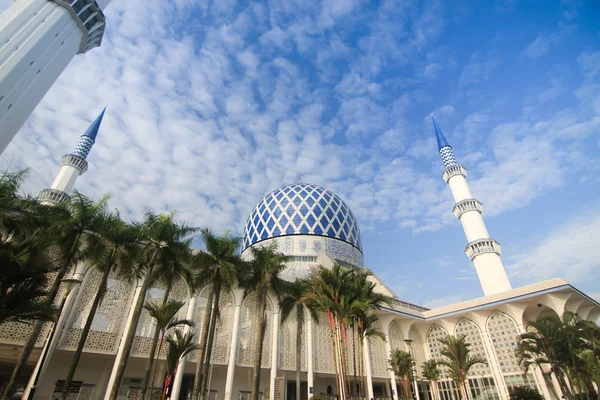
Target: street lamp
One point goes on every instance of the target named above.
(412, 372)
(68, 284)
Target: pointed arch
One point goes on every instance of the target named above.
(417, 348)
(473, 336)
(504, 333)
(397, 336)
(248, 326)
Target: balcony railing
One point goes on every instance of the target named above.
(467, 205)
(482, 246)
(453, 170)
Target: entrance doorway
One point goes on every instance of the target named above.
(291, 390)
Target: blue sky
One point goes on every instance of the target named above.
(211, 105)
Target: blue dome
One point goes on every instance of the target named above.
(302, 209)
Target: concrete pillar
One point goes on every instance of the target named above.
(57, 332)
(128, 323)
(274, 351)
(494, 364)
(388, 350)
(310, 363)
(181, 366)
(233, 347)
(368, 369)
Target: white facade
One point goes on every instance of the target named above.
(38, 39)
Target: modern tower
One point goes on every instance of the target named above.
(73, 165)
(481, 249)
(38, 39)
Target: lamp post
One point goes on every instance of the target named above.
(69, 284)
(412, 373)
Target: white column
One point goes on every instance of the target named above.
(181, 366)
(309, 355)
(113, 374)
(388, 350)
(233, 347)
(368, 370)
(58, 329)
(274, 351)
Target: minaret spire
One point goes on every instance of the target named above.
(481, 249)
(73, 165)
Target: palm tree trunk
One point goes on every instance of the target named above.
(298, 348)
(162, 338)
(130, 336)
(258, 343)
(361, 363)
(333, 348)
(147, 381)
(353, 359)
(203, 340)
(88, 325)
(209, 345)
(38, 325)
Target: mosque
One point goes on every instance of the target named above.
(315, 227)
(312, 225)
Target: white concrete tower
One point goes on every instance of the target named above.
(73, 165)
(38, 39)
(481, 248)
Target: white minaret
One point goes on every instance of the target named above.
(73, 165)
(38, 39)
(481, 248)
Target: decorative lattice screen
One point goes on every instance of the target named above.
(322, 345)
(433, 342)
(504, 332)
(397, 337)
(417, 349)
(379, 357)
(466, 327)
(249, 321)
(109, 319)
(287, 343)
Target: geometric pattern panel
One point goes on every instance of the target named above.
(107, 325)
(447, 156)
(503, 332)
(468, 328)
(323, 353)
(83, 147)
(249, 321)
(222, 338)
(379, 356)
(397, 337)
(433, 340)
(147, 325)
(417, 349)
(302, 209)
(287, 343)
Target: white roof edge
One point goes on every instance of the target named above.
(498, 297)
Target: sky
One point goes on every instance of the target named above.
(213, 104)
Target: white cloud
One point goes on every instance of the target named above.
(479, 68)
(570, 251)
(541, 45)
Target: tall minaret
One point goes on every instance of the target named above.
(73, 165)
(481, 248)
(38, 39)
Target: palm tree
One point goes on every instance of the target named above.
(401, 363)
(458, 359)
(293, 300)
(432, 373)
(263, 277)
(162, 240)
(70, 225)
(167, 273)
(114, 249)
(219, 268)
(178, 347)
(23, 280)
(165, 315)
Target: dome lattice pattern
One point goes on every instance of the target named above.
(302, 209)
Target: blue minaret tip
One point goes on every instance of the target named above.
(92, 131)
(441, 139)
